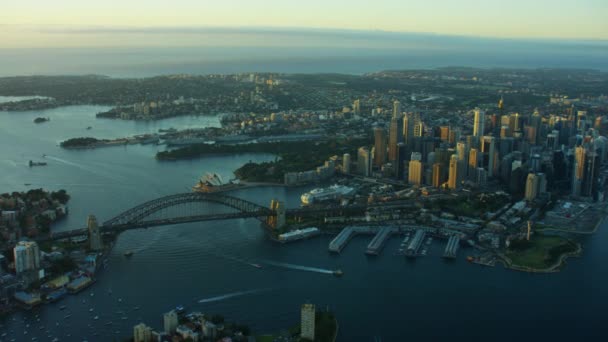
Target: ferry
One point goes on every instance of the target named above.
(333, 192)
(128, 254)
(338, 273)
(256, 265)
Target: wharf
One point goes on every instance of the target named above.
(452, 247)
(339, 242)
(376, 245)
(415, 243)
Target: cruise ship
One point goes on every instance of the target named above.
(213, 182)
(334, 192)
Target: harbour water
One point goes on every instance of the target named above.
(207, 266)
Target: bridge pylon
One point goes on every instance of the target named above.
(95, 242)
(278, 221)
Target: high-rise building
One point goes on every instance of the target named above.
(400, 162)
(142, 333)
(444, 133)
(307, 321)
(408, 129)
(488, 147)
(95, 243)
(453, 172)
(591, 174)
(394, 137)
(532, 186)
(380, 146)
(364, 161)
(473, 163)
(27, 256)
(357, 107)
(418, 129)
(415, 170)
(438, 179)
(479, 123)
(396, 109)
(461, 150)
(346, 163)
(170, 321)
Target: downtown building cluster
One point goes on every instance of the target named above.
(528, 153)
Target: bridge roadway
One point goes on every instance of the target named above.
(135, 218)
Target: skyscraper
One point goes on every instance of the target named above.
(408, 129)
(400, 162)
(307, 321)
(488, 147)
(415, 170)
(394, 137)
(437, 175)
(380, 146)
(170, 322)
(453, 172)
(396, 109)
(357, 107)
(346, 163)
(473, 163)
(27, 256)
(479, 123)
(364, 161)
(532, 187)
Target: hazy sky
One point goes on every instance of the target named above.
(42, 23)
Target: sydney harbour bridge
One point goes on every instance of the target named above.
(198, 207)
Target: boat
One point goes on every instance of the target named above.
(256, 265)
(180, 309)
(67, 316)
(333, 192)
(89, 127)
(212, 182)
(338, 273)
(107, 323)
(33, 163)
(96, 317)
(128, 254)
(27, 184)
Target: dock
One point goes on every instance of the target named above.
(376, 245)
(452, 247)
(339, 242)
(412, 248)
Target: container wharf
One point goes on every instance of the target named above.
(412, 248)
(339, 242)
(452, 247)
(376, 245)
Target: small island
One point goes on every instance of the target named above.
(41, 120)
(82, 142)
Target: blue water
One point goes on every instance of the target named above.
(206, 266)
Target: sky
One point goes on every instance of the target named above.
(110, 23)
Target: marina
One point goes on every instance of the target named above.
(376, 245)
(452, 247)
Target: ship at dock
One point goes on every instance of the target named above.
(212, 182)
(334, 192)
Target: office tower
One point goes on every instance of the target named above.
(479, 123)
(591, 174)
(396, 109)
(415, 170)
(535, 163)
(488, 147)
(473, 162)
(394, 137)
(346, 163)
(27, 256)
(95, 243)
(142, 333)
(535, 123)
(514, 123)
(481, 176)
(552, 141)
(400, 162)
(380, 146)
(438, 178)
(504, 131)
(418, 129)
(532, 187)
(170, 322)
(453, 173)
(444, 133)
(307, 321)
(579, 156)
(357, 107)
(408, 129)
(461, 150)
(364, 161)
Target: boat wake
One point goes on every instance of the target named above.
(232, 295)
(298, 267)
(83, 167)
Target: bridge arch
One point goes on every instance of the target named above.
(135, 217)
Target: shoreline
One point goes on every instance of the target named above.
(508, 264)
